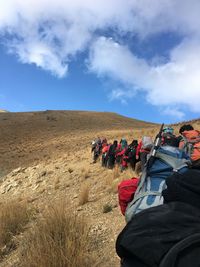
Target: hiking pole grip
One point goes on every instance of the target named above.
(157, 141)
(157, 144)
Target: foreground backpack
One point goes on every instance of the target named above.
(126, 190)
(191, 145)
(152, 182)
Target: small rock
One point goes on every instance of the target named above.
(43, 173)
(8, 188)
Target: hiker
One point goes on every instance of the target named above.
(96, 149)
(169, 234)
(131, 153)
(121, 158)
(129, 156)
(104, 158)
(190, 143)
(143, 149)
(168, 137)
(123, 143)
(118, 154)
(104, 142)
(111, 154)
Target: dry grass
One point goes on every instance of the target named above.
(59, 239)
(84, 194)
(113, 186)
(116, 172)
(13, 217)
(85, 172)
(57, 183)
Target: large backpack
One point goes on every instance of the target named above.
(152, 182)
(191, 144)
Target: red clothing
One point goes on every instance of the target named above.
(121, 153)
(139, 149)
(105, 148)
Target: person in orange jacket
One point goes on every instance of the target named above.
(190, 143)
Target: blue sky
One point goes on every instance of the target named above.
(138, 60)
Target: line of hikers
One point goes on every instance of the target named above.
(119, 153)
(122, 154)
(162, 207)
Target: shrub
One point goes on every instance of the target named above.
(107, 208)
(86, 173)
(13, 217)
(70, 170)
(60, 238)
(84, 194)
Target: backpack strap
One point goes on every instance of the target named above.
(144, 194)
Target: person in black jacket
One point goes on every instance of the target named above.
(150, 234)
(111, 154)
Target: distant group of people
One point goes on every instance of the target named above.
(120, 153)
(124, 154)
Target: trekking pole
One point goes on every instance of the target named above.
(157, 144)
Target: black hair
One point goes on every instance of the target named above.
(115, 143)
(186, 127)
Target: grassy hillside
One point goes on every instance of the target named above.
(33, 136)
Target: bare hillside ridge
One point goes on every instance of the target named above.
(28, 137)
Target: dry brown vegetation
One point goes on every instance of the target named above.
(46, 158)
(84, 194)
(13, 218)
(60, 238)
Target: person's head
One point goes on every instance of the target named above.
(134, 143)
(185, 127)
(115, 143)
(168, 130)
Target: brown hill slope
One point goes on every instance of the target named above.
(33, 136)
(52, 152)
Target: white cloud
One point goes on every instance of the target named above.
(121, 95)
(169, 84)
(174, 112)
(51, 33)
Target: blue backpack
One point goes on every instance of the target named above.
(167, 160)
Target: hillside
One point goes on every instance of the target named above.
(46, 159)
(31, 137)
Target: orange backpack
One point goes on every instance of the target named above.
(191, 144)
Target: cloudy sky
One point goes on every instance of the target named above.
(138, 58)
